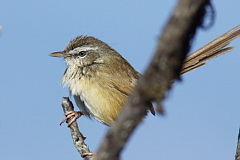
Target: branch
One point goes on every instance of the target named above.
(78, 138)
(1, 29)
(237, 156)
(157, 80)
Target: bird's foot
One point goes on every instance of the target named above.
(88, 154)
(73, 115)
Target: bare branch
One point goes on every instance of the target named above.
(164, 68)
(1, 29)
(237, 156)
(78, 138)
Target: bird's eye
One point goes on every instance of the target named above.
(82, 54)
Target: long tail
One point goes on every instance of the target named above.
(211, 50)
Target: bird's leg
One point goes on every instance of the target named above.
(71, 114)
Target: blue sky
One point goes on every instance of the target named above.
(202, 119)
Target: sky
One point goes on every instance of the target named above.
(202, 112)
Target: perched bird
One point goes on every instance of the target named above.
(101, 80)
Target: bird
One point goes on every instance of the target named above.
(100, 79)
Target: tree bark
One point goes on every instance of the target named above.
(164, 68)
(237, 156)
(77, 136)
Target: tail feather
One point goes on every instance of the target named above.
(211, 50)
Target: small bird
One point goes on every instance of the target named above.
(101, 80)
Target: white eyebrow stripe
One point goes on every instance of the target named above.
(86, 48)
(80, 49)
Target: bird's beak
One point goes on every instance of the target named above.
(58, 54)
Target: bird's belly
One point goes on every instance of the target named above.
(102, 102)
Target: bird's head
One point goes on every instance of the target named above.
(86, 51)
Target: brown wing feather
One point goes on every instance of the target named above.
(126, 83)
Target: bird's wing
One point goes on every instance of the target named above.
(126, 84)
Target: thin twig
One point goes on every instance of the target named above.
(237, 156)
(78, 138)
(1, 29)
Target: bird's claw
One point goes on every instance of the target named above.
(73, 115)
